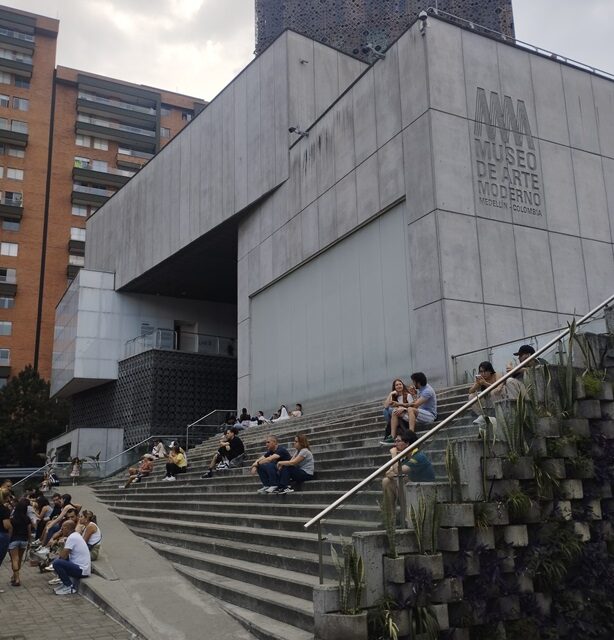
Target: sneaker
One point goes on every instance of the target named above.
(122, 486)
(388, 440)
(262, 490)
(209, 474)
(55, 581)
(172, 479)
(42, 553)
(480, 421)
(64, 590)
(285, 490)
(271, 489)
(49, 567)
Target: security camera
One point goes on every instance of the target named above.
(423, 15)
(298, 131)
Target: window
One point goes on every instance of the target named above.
(5, 78)
(7, 302)
(101, 143)
(83, 141)
(5, 101)
(5, 357)
(8, 275)
(165, 111)
(6, 328)
(9, 249)
(185, 116)
(14, 174)
(23, 104)
(19, 126)
(22, 83)
(16, 152)
(5, 124)
(100, 165)
(81, 162)
(13, 197)
(3, 382)
(1, 172)
(76, 233)
(165, 132)
(76, 261)
(10, 225)
(79, 210)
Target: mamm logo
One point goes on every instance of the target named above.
(506, 161)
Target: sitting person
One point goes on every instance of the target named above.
(90, 531)
(396, 403)
(244, 419)
(142, 471)
(299, 468)
(176, 464)
(74, 560)
(43, 513)
(43, 552)
(53, 526)
(415, 465)
(298, 411)
(282, 414)
(266, 465)
(423, 410)
(486, 376)
(261, 419)
(231, 452)
(159, 450)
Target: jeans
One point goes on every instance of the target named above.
(51, 532)
(4, 545)
(388, 417)
(287, 473)
(67, 570)
(172, 469)
(268, 474)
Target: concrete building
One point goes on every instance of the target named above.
(365, 28)
(68, 140)
(457, 193)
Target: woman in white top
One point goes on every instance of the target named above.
(300, 467)
(90, 531)
(159, 450)
(395, 408)
(283, 414)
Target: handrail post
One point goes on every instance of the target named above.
(402, 498)
(320, 553)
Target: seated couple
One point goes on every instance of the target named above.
(136, 474)
(409, 406)
(276, 467)
(230, 454)
(415, 465)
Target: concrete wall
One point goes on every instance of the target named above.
(481, 268)
(93, 323)
(230, 155)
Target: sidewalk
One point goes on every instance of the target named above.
(142, 589)
(34, 612)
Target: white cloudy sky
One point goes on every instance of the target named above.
(198, 46)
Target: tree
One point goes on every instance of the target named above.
(28, 418)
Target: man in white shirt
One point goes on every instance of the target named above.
(74, 562)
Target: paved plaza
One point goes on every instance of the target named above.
(34, 612)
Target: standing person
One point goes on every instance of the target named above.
(231, 448)
(415, 465)
(73, 562)
(176, 464)
(75, 470)
(20, 537)
(266, 465)
(396, 403)
(6, 528)
(423, 410)
(299, 468)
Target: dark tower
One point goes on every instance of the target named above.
(349, 25)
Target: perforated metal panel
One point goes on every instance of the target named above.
(158, 392)
(349, 25)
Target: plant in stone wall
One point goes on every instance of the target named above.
(517, 425)
(453, 471)
(545, 483)
(425, 521)
(351, 577)
(518, 503)
(389, 518)
(382, 625)
(568, 391)
(422, 620)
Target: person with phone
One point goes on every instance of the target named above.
(396, 403)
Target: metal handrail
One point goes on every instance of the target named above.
(429, 434)
(195, 423)
(94, 462)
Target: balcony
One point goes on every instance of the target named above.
(94, 196)
(112, 107)
(11, 209)
(72, 270)
(132, 159)
(8, 283)
(137, 137)
(85, 172)
(76, 248)
(16, 62)
(13, 132)
(181, 341)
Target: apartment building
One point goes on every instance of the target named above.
(68, 140)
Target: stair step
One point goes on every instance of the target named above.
(264, 627)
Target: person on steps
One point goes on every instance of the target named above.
(74, 560)
(299, 468)
(266, 465)
(396, 403)
(231, 450)
(176, 464)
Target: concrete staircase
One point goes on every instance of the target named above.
(250, 550)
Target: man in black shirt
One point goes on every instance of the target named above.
(266, 465)
(231, 449)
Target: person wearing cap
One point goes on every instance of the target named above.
(144, 469)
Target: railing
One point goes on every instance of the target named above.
(17, 126)
(97, 191)
(181, 341)
(212, 423)
(525, 45)
(27, 37)
(82, 164)
(12, 202)
(9, 278)
(101, 467)
(115, 125)
(317, 520)
(90, 97)
(465, 364)
(134, 153)
(14, 55)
